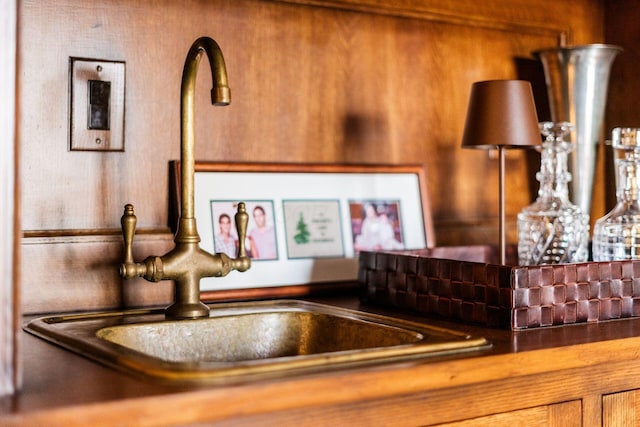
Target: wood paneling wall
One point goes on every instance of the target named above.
(353, 81)
(623, 108)
(622, 28)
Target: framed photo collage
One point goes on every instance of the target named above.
(307, 223)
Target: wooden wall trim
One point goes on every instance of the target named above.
(458, 16)
(78, 232)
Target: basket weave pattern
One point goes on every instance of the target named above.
(501, 295)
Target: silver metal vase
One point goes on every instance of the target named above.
(577, 80)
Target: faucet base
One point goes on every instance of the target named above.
(181, 310)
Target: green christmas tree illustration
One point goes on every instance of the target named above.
(302, 237)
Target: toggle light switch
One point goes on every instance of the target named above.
(99, 100)
(97, 94)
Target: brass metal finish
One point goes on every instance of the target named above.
(247, 341)
(187, 263)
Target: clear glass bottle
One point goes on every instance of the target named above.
(616, 236)
(553, 230)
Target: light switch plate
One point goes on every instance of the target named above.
(96, 100)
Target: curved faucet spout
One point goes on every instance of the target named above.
(220, 96)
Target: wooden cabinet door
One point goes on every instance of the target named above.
(621, 409)
(566, 414)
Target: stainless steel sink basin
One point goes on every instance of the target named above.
(240, 341)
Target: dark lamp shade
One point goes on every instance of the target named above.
(501, 113)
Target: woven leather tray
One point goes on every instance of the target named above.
(471, 289)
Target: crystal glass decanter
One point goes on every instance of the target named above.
(553, 230)
(616, 236)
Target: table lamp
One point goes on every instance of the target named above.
(501, 114)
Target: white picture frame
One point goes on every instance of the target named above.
(315, 213)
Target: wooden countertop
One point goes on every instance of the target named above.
(64, 389)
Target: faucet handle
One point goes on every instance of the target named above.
(129, 268)
(128, 223)
(242, 261)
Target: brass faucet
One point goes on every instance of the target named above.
(187, 263)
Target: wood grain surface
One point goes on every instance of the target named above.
(353, 81)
